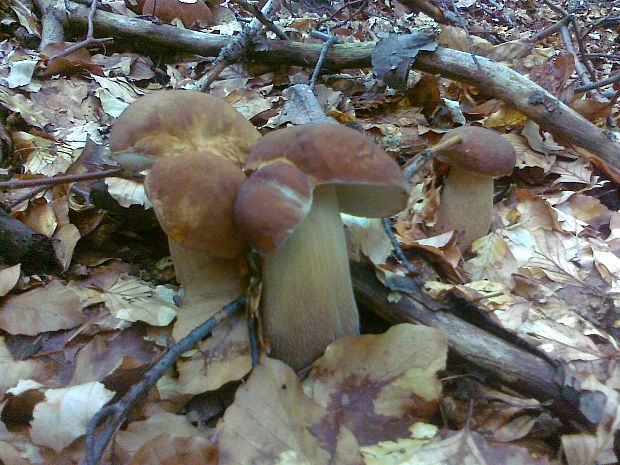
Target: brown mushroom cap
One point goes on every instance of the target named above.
(268, 209)
(176, 122)
(480, 151)
(193, 197)
(188, 13)
(369, 183)
(288, 164)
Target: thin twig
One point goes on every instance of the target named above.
(550, 30)
(234, 51)
(352, 15)
(398, 251)
(90, 39)
(319, 64)
(26, 196)
(583, 51)
(252, 8)
(18, 184)
(595, 85)
(114, 415)
(331, 16)
(579, 67)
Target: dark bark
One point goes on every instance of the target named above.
(20, 244)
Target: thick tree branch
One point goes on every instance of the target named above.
(525, 372)
(496, 79)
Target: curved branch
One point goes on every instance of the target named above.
(496, 79)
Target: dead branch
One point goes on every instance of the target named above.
(525, 372)
(497, 80)
(88, 41)
(53, 14)
(62, 179)
(113, 416)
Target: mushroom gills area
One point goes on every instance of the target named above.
(466, 206)
(308, 297)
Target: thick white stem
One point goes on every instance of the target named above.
(466, 206)
(208, 284)
(308, 297)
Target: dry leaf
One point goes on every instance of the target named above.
(166, 449)
(273, 422)
(377, 386)
(223, 357)
(494, 260)
(42, 219)
(15, 370)
(552, 259)
(65, 240)
(8, 279)
(131, 299)
(600, 405)
(469, 448)
(49, 308)
(65, 413)
(141, 433)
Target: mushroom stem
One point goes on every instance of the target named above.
(466, 205)
(308, 298)
(203, 295)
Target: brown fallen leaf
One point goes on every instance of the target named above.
(15, 370)
(164, 426)
(167, 449)
(49, 308)
(273, 422)
(377, 386)
(470, 448)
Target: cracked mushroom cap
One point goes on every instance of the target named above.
(193, 196)
(481, 151)
(288, 164)
(175, 122)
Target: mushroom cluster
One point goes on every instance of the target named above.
(288, 209)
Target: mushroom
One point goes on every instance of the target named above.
(189, 13)
(195, 145)
(475, 156)
(301, 178)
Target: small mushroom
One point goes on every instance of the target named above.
(475, 156)
(195, 145)
(189, 13)
(289, 208)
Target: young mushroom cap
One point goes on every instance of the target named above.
(193, 196)
(475, 155)
(367, 181)
(289, 208)
(175, 122)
